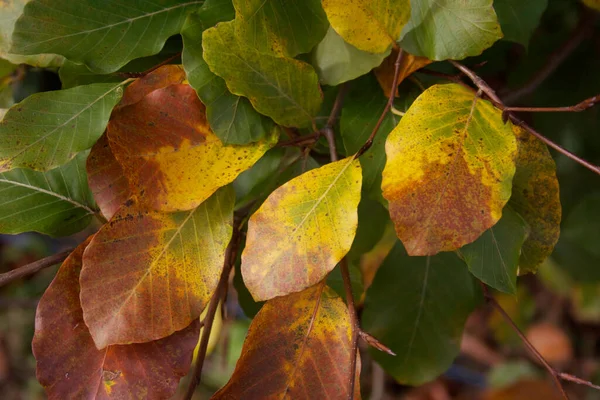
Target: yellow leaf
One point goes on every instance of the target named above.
(450, 164)
(369, 25)
(302, 230)
(385, 72)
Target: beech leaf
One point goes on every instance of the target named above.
(148, 274)
(369, 25)
(284, 89)
(57, 202)
(302, 230)
(449, 170)
(48, 129)
(70, 366)
(386, 71)
(519, 19)
(297, 347)
(172, 159)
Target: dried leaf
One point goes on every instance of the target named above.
(162, 77)
(386, 71)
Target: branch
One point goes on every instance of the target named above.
(34, 267)
(217, 296)
(581, 106)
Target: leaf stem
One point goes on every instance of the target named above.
(33, 267)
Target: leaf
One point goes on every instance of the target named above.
(369, 25)
(360, 112)
(373, 219)
(103, 35)
(519, 19)
(56, 203)
(172, 159)
(284, 89)
(337, 61)
(107, 182)
(280, 27)
(593, 4)
(386, 71)
(450, 164)
(70, 366)
(302, 230)
(536, 197)
(442, 30)
(148, 274)
(162, 77)
(418, 306)
(297, 347)
(524, 390)
(231, 117)
(48, 129)
(494, 257)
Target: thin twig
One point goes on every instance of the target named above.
(152, 69)
(301, 141)
(581, 106)
(337, 105)
(34, 267)
(579, 381)
(355, 326)
(387, 108)
(217, 296)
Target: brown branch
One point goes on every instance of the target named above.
(207, 322)
(34, 267)
(301, 141)
(152, 69)
(581, 106)
(387, 108)
(337, 105)
(354, 323)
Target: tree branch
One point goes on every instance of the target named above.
(34, 267)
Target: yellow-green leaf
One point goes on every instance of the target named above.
(302, 230)
(369, 25)
(284, 89)
(450, 164)
(536, 197)
(148, 274)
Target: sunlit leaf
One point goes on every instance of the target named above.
(536, 197)
(148, 274)
(418, 306)
(280, 26)
(519, 19)
(369, 25)
(172, 159)
(103, 35)
(231, 117)
(494, 256)
(450, 164)
(386, 71)
(302, 230)
(105, 176)
(69, 365)
(284, 89)
(57, 202)
(449, 29)
(48, 129)
(337, 61)
(297, 347)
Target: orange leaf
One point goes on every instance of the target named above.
(385, 72)
(524, 390)
(298, 347)
(148, 274)
(105, 177)
(164, 76)
(172, 159)
(69, 365)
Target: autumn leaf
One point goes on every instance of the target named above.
(536, 197)
(386, 71)
(148, 274)
(302, 230)
(70, 366)
(298, 347)
(172, 159)
(450, 164)
(106, 180)
(164, 76)
(369, 25)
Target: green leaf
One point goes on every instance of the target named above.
(232, 118)
(278, 26)
(72, 74)
(48, 129)
(337, 61)
(418, 306)
(373, 219)
(285, 89)
(494, 257)
(448, 29)
(336, 281)
(57, 202)
(361, 110)
(104, 35)
(519, 19)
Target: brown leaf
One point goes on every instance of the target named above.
(69, 366)
(525, 390)
(105, 176)
(298, 347)
(552, 342)
(164, 76)
(409, 64)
